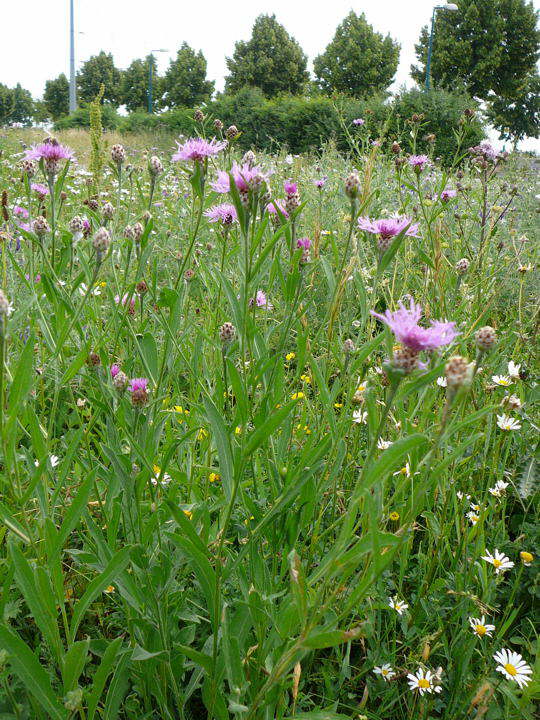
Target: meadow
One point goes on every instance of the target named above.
(268, 430)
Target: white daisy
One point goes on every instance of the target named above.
(473, 517)
(383, 444)
(499, 488)
(156, 480)
(423, 681)
(54, 460)
(480, 627)
(499, 561)
(441, 382)
(513, 369)
(513, 667)
(502, 380)
(505, 422)
(385, 671)
(359, 417)
(398, 605)
(461, 495)
(83, 289)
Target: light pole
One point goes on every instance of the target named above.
(448, 6)
(150, 77)
(72, 91)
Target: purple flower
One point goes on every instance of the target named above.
(198, 149)
(225, 214)
(446, 195)
(419, 162)
(50, 151)
(137, 384)
(358, 121)
(304, 243)
(25, 226)
(125, 300)
(20, 211)
(404, 324)
(277, 207)
(261, 300)
(245, 178)
(40, 189)
(388, 229)
(115, 369)
(320, 182)
(290, 187)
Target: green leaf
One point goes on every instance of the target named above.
(30, 671)
(223, 445)
(73, 664)
(263, 432)
(115, 566)
(149, 355)
(102, 673)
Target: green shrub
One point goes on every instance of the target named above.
(81, 119)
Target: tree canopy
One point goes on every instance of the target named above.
(489, 46)
(134, 84)
(98, 70)
(56, 97)
(184, 83)
(271, 60)
(359, 61)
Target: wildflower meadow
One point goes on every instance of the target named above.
(268, 429)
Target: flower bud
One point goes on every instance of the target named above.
(118, 154)
(485, 338)
(40, 226)
(155, 166)
(101, 240)
(231, 132)
(462, 266)
(348, 346)
(218, 125)
(227, 333)
(457, 372)
(352, 186)
(107, 211)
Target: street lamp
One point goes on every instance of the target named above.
(150, 77)
(447, 6)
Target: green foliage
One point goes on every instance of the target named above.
(359, 61)
(271, 60)
(110, 119)
(518, 117)
(97, 71)
(6, 104)
(134, 84)
(184, 83)
(97, 152)
(224, 547)
(487, 46)
(56, 97)
(23, 106)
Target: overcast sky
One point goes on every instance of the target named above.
(34, 43)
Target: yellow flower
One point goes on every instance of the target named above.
(238, 430)
(290, 356)
(297, 396)
(526, 558)
(202, 434)
(109, 589)
(394, 516)
(102, 283)
(306, 379)
(338, 405)
(179, 410)
(214, 477)
(188, 514)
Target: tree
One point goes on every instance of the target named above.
(490, 46)
(520, 118)
(56, 97)
(23, 106)
(271, 60)
(359, 61)
(134, 86)
(96, 71)
(6, 104)
(185, 83)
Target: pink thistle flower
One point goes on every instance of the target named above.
(404, 324)
(245, 178)
(138, 387)
(320, 182)
(115, 369)
(50, 151)
(419, 162)
(225, 214)
(138, 384)
(20, 211)
(198, 149)
(447, 195)
(261, 300)
(290, 187)
(387, 230)
(125, 300)
(277, 207)
(40, 189)
(304, 243)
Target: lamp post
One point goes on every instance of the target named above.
(150, 77)
(447, 6)
(72, 88)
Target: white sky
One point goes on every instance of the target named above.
(34, 44)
